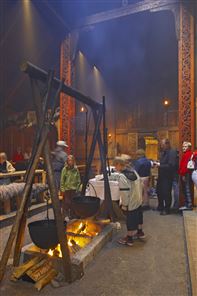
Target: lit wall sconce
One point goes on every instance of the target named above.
(166, 102)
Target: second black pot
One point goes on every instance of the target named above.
(85, 206)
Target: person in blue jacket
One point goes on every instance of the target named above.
(142, 166)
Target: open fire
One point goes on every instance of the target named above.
(79, 234)
(85, 239)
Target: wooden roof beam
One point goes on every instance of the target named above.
(146, 5)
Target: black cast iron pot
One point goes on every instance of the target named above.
(44, 233)
(85, 206)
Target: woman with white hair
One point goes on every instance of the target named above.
(5, 167)
(185, 176)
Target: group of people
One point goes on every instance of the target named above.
(168, 170)
(134, 183)
(133, 179)
(67, 177)
(19, 156)
(171, 170)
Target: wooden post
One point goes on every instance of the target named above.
(58, 215)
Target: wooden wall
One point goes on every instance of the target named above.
(13, 137)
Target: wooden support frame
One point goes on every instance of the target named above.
(17, 231)
(123, 11)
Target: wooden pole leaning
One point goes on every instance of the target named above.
(21, 230)
(107, 192)
(92, 149)
(61, 232)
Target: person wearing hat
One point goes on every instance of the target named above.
(59, 157)
(142, 166)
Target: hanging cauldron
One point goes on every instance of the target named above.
(44, 232)
(85, 206)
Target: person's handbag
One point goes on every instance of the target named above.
(194, 177)
(191, 164)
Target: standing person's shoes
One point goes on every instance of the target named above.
(174, 210)
(186, 208)
(165, 212)
(127, 240)
(139, 235)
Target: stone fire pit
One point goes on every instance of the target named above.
(81, 255)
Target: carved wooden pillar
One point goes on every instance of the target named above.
(186, 76)
(67, 104)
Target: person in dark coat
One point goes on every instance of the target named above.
(166, 172)
(59, 157)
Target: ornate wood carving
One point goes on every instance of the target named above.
(186, 76)
(132, 142)
(67, 104)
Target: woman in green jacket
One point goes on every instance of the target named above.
(69, 184)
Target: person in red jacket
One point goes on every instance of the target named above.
(18, 155)
(185, 176)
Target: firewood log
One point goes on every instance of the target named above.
(20, 270)
(45, 279)
(40, 270)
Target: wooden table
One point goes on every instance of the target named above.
(96, 188)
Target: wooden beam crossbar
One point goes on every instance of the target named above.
(124, 11)
(39, 74)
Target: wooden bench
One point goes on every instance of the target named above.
(14, 190)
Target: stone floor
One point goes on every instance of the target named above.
(156, 267)
(190, 224)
